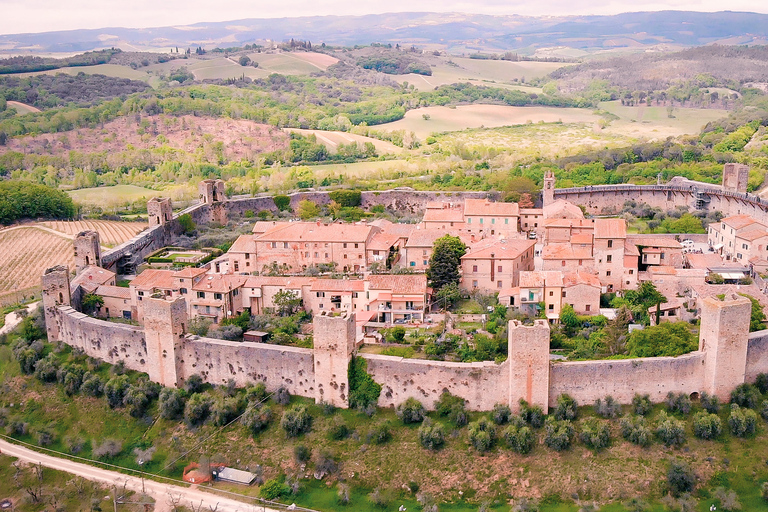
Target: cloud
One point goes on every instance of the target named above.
(20, 16)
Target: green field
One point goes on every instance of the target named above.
(331, 140)
(654, 122)
(100, 69)
(112, 196)
(286, 63)
(223, 68)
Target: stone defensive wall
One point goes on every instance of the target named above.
(680, 192)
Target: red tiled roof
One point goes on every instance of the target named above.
(577, 278)
(654, 241)
(117, 292)
(382, 242)
(484, 207)
(189, 272)
(562, 209)
(739, 221)
(263, 226)
(704, 261)
(539, 278)
(399, 284)
(566, 252)
(219, 283)
(443, 215)
(245, 244)
(753, 233)
(498, 249)
(93, 275)
(610, 228)
(287, 281)
(582, 239)
(153, 278)
(318, 232)
(338, 285)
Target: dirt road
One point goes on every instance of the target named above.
(165, 495)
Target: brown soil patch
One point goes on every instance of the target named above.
(237, 138)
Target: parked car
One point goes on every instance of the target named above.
(687, 243)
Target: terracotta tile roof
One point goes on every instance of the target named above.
(427, 237)
(630, 249)
(753, 233)
(562, 209)
(651, 250)
(189, 272)
(610, 228)
(117, 292)
(539, 278)
(219, 283)
(662, 270)
(437, 205)
(704, 261)
(153, 278)
(582, 239)
(412, 284)
(245, 244)
(94, 275)
(506, 293)
(338, 285)
(569, 223)
(263, 226)
(739, 221)
(500, 249)
(566, 252)
(531, 211)
(654, 241)
(287, 281)
(443, 215)
(401, 230)
(483, 207)
(382, 242)
(318, 232)
(577, 278)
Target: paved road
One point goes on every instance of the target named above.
(13, 319)
(163, 494)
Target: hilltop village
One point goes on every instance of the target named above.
(534, 259)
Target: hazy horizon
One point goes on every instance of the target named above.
(35, 16)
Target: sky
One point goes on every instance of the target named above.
(19, 16)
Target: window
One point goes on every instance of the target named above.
(182, 291)
(498, 284)
(608, 274)
(321, 306)
(610, 243)
(356, 246)
(359, 256)
(306, 245)
(375, 253)
(562, 263)
(587, 307)
(424, 252)
(506, 221)
(247, 256)
(345, 245)
(474, 268)
(563, 294)
(631, 271)
(274, 245)
(662, 256)
(345, 256)
(217, 296)
(551, 307)
(285, 245)
(326, 255)
(200, 295)
(413, 263)
(481, 220)
(316, 255)
(493, 221)
(608, 258)
(141, 294)
(551, 293)
(499, 267)
(235, 292)
(469, 220)
(474, 284)
(425, 262)
(321, 294)
(237, 266)
(306, 254)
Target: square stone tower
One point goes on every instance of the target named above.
(165, 324)
(211, 191)
(159, 211)
(723, 338)
(735, 177)
(56, 292)
(528, 358)
(87, 250)
(548, 194)
(334, 338)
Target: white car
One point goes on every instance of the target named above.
(687, 243)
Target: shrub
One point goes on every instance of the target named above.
(729, 501)
(282, 396)
(296, 421)
(74, 444)
(559, 434)
(115, 389)
(339, 430)
(710, 403)
(363, 390)
(518, 437)
(274, 489)
(46, 368)
(641, 404)
(707, 425)
(224, 410)
(482, 434)
(342, 494)
(282, 202)
(256, 418)
(197, 409)
(171, 403)
(431, 436)
(108, 449)
(501, 414)
(379, 434)
(764, 410)
(742, 422)
(302, 454)
(607, 407)
(397, 333)
(531, 414)
(761, 382)
(764, 491)
(256, 394)
(669, 430)
(453, 407)
(326, 463)
(594, 433)
(327, 408)
(136, 400)
(745, 395)
(636, 431)
(680, 478)
(566, 408)
(410, 411)
(45, 436)
(380, 498)
(92, 385)
(678, 403)
(194, 384)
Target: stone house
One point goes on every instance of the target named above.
(722, 236)
(491, 265)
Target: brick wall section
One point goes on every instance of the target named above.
(587, 381)
(481, 384)
(217, 361)
(757, 355)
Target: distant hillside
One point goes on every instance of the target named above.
(452, 31)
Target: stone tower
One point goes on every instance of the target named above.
(334, 338)
(87, 250)
(211, 191)
(159, 211)
(528, 357)
(735, 177)
(55, 293)
(165, 324)
(723, 338)
(548, 194)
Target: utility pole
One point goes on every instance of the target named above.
(114, 496)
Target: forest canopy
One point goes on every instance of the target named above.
(22, 200)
